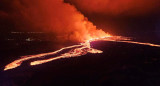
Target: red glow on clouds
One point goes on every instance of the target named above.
(117, 7)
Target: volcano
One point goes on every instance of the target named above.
(120, 64)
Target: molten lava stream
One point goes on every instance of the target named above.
(75, 51)
(84, 49)
(18, 62)
(141, 43)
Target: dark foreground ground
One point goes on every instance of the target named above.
(121, 64)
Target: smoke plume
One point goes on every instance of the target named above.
(54, 16)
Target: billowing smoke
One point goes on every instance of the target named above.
(64, 20)
(54, 16)
(117, 7)
(121, 17)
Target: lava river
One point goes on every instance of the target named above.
(74, 51)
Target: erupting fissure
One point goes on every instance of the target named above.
(64, 21)
(74, 51)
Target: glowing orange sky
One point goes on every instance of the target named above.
(117, 7)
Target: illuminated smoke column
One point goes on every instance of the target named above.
(62, 19)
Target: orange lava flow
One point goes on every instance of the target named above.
(79, 50)
(133, 42)
(18, 62)
(74, 51)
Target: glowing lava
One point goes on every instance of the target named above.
(74, 51)
(133, 42)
